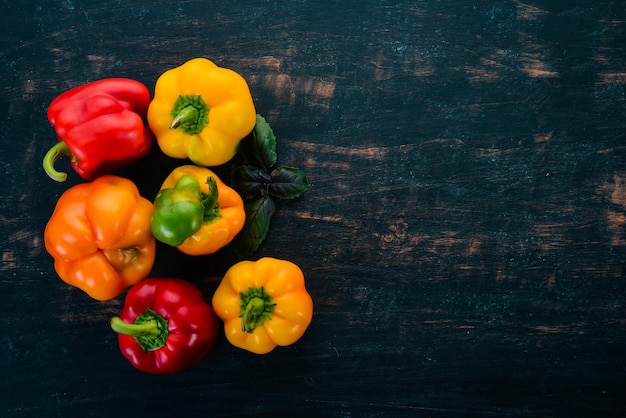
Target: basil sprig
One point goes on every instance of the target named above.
(260, 180)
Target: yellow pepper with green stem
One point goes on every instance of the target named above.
(201, 111)
(263, 304)
(196, 212)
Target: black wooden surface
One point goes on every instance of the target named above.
(464, 240)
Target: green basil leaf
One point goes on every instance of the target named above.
(251, 182)
(288, 182)
(259, 148)
(254, 231)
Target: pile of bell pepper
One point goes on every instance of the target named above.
(103, 233)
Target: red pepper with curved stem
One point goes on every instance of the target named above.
(165, 326)
(101, 126)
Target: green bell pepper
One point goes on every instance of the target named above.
(181, 210)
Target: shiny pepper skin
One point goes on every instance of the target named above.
(99, 236)
(263, 304)
(100, 126)
(166, 326)
(220, 224)
(201, 111)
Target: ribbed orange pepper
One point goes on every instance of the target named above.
(223, 227)
(99, 236)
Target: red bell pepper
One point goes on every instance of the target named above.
(165, 326)
(101, 126)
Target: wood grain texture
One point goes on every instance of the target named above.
(463, 240)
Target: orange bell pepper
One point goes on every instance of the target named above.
(99, 236)
(263, 304)
(227, 214)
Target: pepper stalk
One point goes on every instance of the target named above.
(190, 114)
(257, 307)
(150, 329)
(57, 151)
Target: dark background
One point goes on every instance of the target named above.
(464, 238)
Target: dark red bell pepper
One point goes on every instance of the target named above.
(101, 126)
(165, 326)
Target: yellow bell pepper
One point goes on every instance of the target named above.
(263, 304)
(227, 214)
(201, 111)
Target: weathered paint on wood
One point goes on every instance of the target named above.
(464, 238)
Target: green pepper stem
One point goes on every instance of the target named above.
(52, 156)
(256, 307)
(146, 329)
(189, 114)
(150, 329)
(210, 203)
